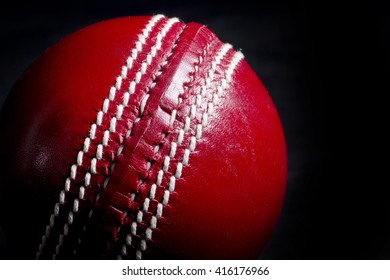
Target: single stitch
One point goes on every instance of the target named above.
(87, 179)
(87, 142)
(106, 103)
(99, 118)
(80, 158)
(73, 171)
(92, 131)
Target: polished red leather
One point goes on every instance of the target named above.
(140, 137)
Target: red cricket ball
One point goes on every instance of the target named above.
(140, 137)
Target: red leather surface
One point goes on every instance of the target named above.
(225, 201)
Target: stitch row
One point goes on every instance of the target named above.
(86, 146)
(192, 144)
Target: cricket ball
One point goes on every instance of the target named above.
(140, 138)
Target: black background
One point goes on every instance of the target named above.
(326, 67)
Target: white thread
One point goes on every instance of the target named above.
(138, 77)
(129, 62)
(153, 51)
(166, 197)
(146, 204)
(106, 104)
(62, 197)
(87, 141)
(143, 67)
(179, 168)
(173, 117)
(87, 179)
(113, 124)
(149, 59)
(111, 94)
(155, 149)
(119, 111)
(153, 222)
(152, 193)
(52, 220)
(187, 124)
(186, 157)
(118, 82)
(67, 184)
(106, 136)
(138, 255)
(138, 46)
(47, 230)
(92, 131)
(140, 216)
(172, 183)
(210, 108)
(238, 56)
(124, 72)
(172, 151)
(148, 234)
(126, 97)
(203, 91)
(80, 158)
(56, 209)
(99, 118)
(81, 192)
(159, 210)
(158, 43)
(70, 218)
(211, 74)
(224, 83)
(76, 205)
(216, 99)
(198, 133)
(180, 136)
(124, 250)
(166, 163)
(128, 240)
(198, 101)
(133, 228)
(204, 119)
(143, 103)
(159, 177)
(93, 166)
(141, 38)
(73, 171)
(99, 152)
(143, 245)
(192, 143)
(120, 149)
(193, 112)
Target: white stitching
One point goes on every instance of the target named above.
(163, 32)
(228, 73)
(92, 130)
